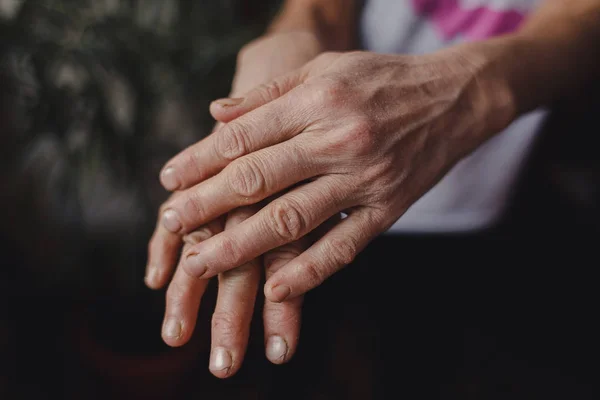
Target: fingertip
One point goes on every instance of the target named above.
(156, 278)
(193, 266)
(176, 331)
(150, 279)
(225, 110)
(221, 362)
(171, 221)
(172, 342)
(277, 349)
(172, 331)
(277, 292)
(169, 178)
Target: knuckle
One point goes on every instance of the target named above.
(313, 274)
(232, 141)
(191, 161)
(229, 252)
(279, 316)
(342, 251)
(287, 220)
(192, 209)
(270, 91)
(359, 138)
(246, 178)
(274, 314)
(227, 323)
(329, 92)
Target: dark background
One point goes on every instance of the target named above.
(506, 314)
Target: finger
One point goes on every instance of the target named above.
(245, 181)
(274, 123)
(217, 126)
(328, 255)
(163, 250)
(184, 295)
(228, 109)
(282, 320)
(233, 312)
(282, 221)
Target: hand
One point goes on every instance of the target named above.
(362, 133)
(258, 63)
(269, 57)
(235, 299)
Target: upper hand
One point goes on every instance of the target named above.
(361, 133)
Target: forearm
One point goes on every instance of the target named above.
(333, 22)
(555, 54)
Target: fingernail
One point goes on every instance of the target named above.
(281, 292)
(172, 328)
(220, 359)
(195, 265)
(151, 276)
(229, 102)
(170, 221)
(168, 179)
(276, 349)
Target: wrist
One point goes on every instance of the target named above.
(304, 41)
(527, 71)
(280, 52)
(492, 99)
(540, 65)
(273, 55)
(514, 74)
(332, 23)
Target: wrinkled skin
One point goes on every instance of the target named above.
(359, 133)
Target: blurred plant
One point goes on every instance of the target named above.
(95, 95)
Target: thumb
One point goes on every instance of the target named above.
(228, 109)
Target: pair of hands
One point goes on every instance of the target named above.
(258, 63)
(356, 133)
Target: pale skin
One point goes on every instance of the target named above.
(355, 132)
(293, 39)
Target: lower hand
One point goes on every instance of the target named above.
(235, 299)
(259, 62)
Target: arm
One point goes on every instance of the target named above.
(332, 21)
(563, 39)
(553, 55)
(301, 30)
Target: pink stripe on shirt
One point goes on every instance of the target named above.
(478, 23)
